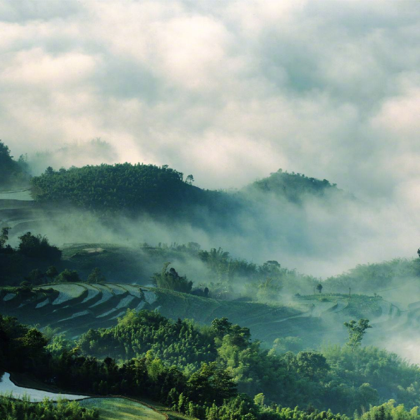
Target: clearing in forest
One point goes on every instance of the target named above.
(121, 409)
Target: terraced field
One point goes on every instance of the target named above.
(20, 212)
(73, 308)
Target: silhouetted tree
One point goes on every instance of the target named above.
(51, 272)
(67, 275)
(96, 276)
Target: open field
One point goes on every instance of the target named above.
(121, 409)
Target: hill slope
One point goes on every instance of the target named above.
(73, 308)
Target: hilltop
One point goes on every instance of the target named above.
(140, 188)
(294, 187)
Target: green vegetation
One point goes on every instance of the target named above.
(390, 411)
(12, 173)
(348, 376)
(336, 378)
(356, 329)
(120, 187)
(172, 280)
(20, 346)
(47, 410)
(376, 278)
(38, 247)
(293, 187)
(32, 252)
(179, 343)
(120, 409)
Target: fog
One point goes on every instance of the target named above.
(320, 236)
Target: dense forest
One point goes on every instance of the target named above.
(46, 410)
(350, 376)
(13, 173)
(130, 189)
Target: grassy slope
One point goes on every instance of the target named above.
(121, 409)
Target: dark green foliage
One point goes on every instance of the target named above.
(96, 276)
(45, 410)
(311, 365)
(178, 343)
(28, 260)
(340, 378)
(38, 247)
(68, 276)
(120, 187)
(293, 187)
(4, 237)
(12, 173)
(243, 408)
(5, 248)
(20, 346)
(356, 329)
(51, 272)
(170, 279)
(211, 383)
(35, 277)
(389, 411)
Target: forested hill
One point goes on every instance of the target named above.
(292, 187)
(122, 187)
(163, 190)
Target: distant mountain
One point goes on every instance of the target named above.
(293, 187)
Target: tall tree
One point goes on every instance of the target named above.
(356, 331)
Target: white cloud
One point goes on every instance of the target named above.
(293, 79)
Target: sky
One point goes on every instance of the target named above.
(228, 91)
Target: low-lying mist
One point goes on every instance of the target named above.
(320, 237)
